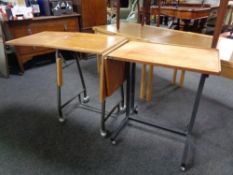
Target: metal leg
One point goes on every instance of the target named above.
(85, 98)
(59, 105)
(128, 104)
(122, 105)
(59, 85)
(132, 85)
(128, 90)
(192, 121)
(105, 117)
(103, 131)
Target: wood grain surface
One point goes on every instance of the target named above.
(71, 41)
(146, 33)
(185, 58)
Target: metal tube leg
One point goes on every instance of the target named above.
(103, 131)
(122, 107)
(128, 105)
(86, 98)
(61, 118)
(128, 90)
(192, 121)
(59, 85)
(132, 87)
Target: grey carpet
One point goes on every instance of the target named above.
(32, 142)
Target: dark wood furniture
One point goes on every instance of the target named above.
(22, 28)
(93, 13)
(185, 13)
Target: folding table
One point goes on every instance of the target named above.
(146, 33)
(204, 61)
(73, 42)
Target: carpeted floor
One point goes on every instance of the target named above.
(32, 142)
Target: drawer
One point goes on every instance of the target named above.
(65, 24)
(17, 30)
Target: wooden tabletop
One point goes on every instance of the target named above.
(71, 41)
(186, 58)
(153, 34)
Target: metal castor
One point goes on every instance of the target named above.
(61, 120)
(103, 134)
(183, 168)
(122, 109)
(135, 110)
(86, 99)
(114, 142)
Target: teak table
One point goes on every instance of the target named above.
(74, 42)
(146, 33)
(204, 61)
(182, 12)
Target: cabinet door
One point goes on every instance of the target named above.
(93, 12)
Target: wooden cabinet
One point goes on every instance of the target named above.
(27, 27)
(93, 12)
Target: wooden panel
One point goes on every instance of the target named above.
(114, 70)
(93, 13)
(185, 58)
(227, 69)
(68, 24)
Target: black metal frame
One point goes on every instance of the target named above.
(120, 106)
(130, 109)
(105, 115)
(60, 106)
